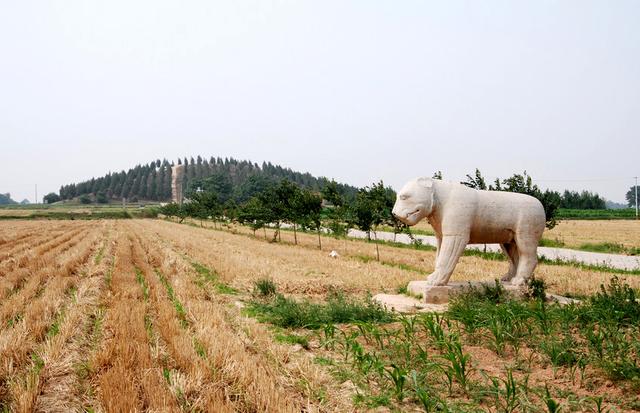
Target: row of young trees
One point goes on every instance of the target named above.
(152, 181)
(286, 203)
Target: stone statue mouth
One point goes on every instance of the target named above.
(413, 214)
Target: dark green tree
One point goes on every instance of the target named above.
(631, 196)
(307, 211)
(101, 198)
(255, 214)
(174, 210)
(51, 197)
(476, 181)
(372, 208)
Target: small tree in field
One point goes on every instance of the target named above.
(372, 208)
(339, 219)
(255, 214)
(174, 210)
(309, 211)
(631, 196)
(289, 206)
(101, 198)
(203, 205)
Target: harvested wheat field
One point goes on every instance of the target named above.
(577, 233)
(150, 315)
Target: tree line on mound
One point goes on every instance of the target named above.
(152, 181)
(246, 179)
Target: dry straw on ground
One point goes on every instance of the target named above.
(113, 316)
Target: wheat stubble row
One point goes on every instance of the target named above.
(28, 315)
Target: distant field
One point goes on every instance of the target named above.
(627, 213)
(587, 234)
(76, 211)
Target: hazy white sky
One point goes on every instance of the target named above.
(354, 90)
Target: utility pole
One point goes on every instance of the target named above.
(636, 197)
(37, 195)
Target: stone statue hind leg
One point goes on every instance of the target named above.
(451, 248)
(511, 251)
(527, 247)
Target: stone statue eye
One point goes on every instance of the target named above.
(404, 197)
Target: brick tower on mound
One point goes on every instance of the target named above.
(177, 177)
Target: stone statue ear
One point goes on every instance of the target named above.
(426, 182)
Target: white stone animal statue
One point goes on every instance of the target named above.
(461, 215)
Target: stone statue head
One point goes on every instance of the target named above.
(414, 201)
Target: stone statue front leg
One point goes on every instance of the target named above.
(451, 248)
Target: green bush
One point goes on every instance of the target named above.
(537, 289)
(101, 198)
(614, 303)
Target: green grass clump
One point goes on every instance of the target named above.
(143, 283)
(265, 287)
(100, 254)
(536, 289)
(554, 243)
(293, 339)
(605, 247)
(181, 313)
(289, 313)
(617, 303)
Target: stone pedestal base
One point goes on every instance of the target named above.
(407, 305)
(440, 294)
